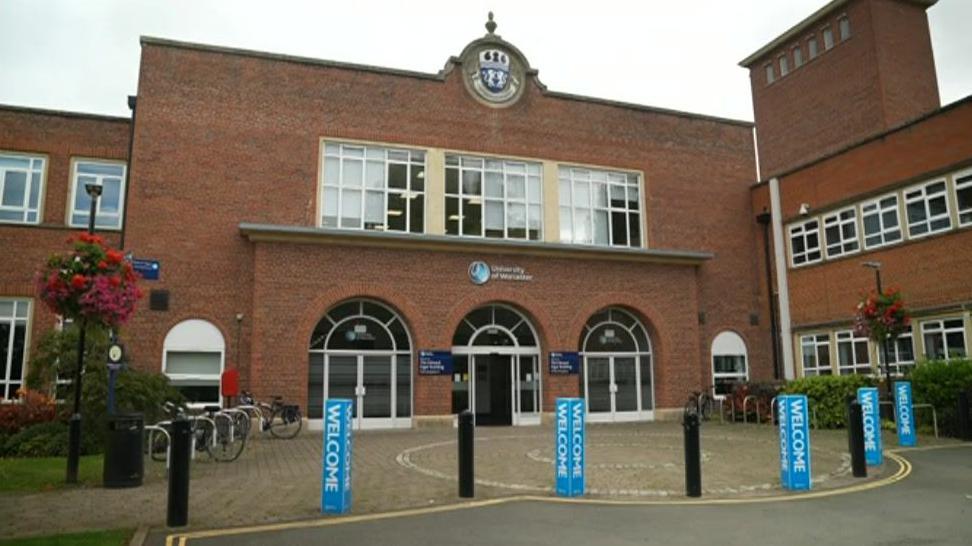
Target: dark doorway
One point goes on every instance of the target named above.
(494, 390)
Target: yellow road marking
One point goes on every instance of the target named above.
(928, 448)
(904, 469)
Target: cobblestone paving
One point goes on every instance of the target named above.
(278, 480)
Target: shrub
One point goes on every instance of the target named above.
(33, 407)
(827, 395)
(46, 440)
(938, 383)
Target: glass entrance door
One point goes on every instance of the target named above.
(368, 381)
(492, 389)
(611, 388)
(527, 391)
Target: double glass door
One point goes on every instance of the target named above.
(369, 381)
(504, 388)
(611, 387)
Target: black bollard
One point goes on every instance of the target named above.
(466, 479)
(179, 453)
(855, 438)
(693, 455)
(964, 423)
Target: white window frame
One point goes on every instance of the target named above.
(844, 245)
(14, 319)
(797, 56)
(813, 47)
(895, 364)
(963, 181)
(532, 200)
(855, 366)
(800, 230)
(843, 28)
(729, 344)
(784, 65)
(571, 179)
(99, 214)
(937, 327)
(372, 154)
(884, 231)
(816, 341)
(921, 195)
(195, 336)
(770, 73)
(36, 174)
(828, 37)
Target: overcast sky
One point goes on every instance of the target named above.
(83, 55)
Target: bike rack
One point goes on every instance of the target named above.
(153, 429)
(746, 407)
(229, 418)
(231, 412)
(922, 406)
(247, 408)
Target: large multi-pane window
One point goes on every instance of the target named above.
(13, 343)
(495, 198)
(927, 207)
(373, 188)
(805, 242)
(881, 225)
(944, 339)
(815, 349)
(901, 352)
(840, 232)
(853, 356)
(108, 211)
(21, 179)
(963, 196)
(600, 207)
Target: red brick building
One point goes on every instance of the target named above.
(425, 243)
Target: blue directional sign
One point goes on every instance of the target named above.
(795, 468)
(569, 447)
(148, 269)
(904, 414)
(336, 478)
(871, 409)
(784, 423)
(435, 362)
(564, 363)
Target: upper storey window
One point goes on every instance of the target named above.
(21, 183)
(812, 47)
(600, 207)
(784, 66)
(797, 57)
(828, 37)
(770, 74)
(927, 207)
(805, 243)
(495, 198)
(963, 196)
(374, 188)
(843, 25)
(108, 211)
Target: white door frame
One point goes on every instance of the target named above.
(519, 418)
(615, 416)
(360, 422)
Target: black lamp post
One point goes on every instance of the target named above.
(876, 266)
(74, 432)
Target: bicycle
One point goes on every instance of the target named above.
(281, 420)
(213, 432)
(700, 403)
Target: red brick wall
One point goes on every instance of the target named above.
(58, 137)
(883, 75)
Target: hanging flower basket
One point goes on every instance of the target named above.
(94, 283)
(881, 316)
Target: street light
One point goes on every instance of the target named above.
(74, 432)
(876, 266)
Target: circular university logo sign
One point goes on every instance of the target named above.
(479, 272)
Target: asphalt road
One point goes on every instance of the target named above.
(931, 506)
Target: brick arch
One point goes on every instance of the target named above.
(170, 324)
(656, 326)
(523, 303)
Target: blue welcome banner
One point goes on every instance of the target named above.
(784, 424)
(798, 442)
(569, 447)
(336, 478)
(904, 414)
(871, 409)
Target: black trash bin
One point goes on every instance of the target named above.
(124, 462)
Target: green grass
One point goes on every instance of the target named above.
(45, 474)
(116, 537)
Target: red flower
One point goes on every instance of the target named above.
(79, 281)
(114, 256)
(102, 265)
(115, 281)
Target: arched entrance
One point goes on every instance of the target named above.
(361, 351)
(729, 362)
(618, 377)
(496, 367)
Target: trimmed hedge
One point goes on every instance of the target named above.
(827, 395)
(46, 440)
(938, 383)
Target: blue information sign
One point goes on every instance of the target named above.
(336, 478)
(871, 409)
(567, 363)
(435, 362)
(904, 414)
(569, 447)
(795, 473)
(148, 269)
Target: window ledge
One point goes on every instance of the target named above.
(312, 235)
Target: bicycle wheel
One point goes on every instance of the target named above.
(706, 407)
(241, 423)
(158, 446)
(286, 422)
(228, 444)
(692, 406)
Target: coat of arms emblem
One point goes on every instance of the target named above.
(494, 70)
